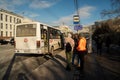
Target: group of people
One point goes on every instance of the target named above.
(78, 49)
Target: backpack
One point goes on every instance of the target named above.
(68, 47)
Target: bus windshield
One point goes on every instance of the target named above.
(26, 30)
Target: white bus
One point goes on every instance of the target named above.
(36, 37)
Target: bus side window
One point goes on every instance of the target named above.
(58, 34)
(51, 36)
(55, 34)
(51, 33)
(42, 31)
(45, 34)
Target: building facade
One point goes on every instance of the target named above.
(65, 29)
(7, 23)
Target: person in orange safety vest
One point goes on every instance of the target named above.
(81, 51)
(82, 44)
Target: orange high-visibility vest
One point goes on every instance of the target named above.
(82, 44)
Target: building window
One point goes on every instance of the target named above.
(10, 18)
(10, 34)
(6, 18)
(1, 33)
(1, 25)
(14, 20)
(1, 17)
(10, 27)
(6, 26)
(17, 20)
(6, 33)
(20, 21)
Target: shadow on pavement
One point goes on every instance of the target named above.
(7, 73)
(57, 61)
(60, 57)
(22, 76)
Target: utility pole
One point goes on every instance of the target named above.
(76, 6)
(76, 18)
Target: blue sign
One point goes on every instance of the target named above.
(77, 27)
(75, 22)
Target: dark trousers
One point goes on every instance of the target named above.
(74, 56)
(81, 55)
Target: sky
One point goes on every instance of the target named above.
(57, 12)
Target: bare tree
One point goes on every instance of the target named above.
(114, 11)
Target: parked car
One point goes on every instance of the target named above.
(12, 41)
(3, 41)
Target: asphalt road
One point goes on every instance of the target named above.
(6, 54)
(12, 65)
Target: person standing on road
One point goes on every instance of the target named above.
(81, 51)
(99, 44)
(75, 52)
(68, 50)
(108, 43)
